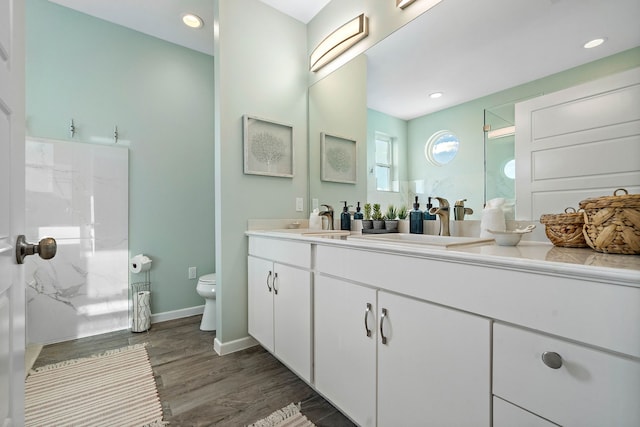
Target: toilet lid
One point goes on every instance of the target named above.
(208, 278)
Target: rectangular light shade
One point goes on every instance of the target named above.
(403, 3)
(502, 132)
(336, 43)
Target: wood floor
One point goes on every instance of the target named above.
(199, 388)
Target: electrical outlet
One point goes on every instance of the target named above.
(314, 204)
(192, 273)
(299, 204)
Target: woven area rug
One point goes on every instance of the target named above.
(289, 416)
(115, 388)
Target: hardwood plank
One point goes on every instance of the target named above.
(199, 388)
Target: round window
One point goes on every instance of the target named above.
(441, 148)
(509, 169)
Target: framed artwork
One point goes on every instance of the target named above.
(268, 147)
(338, 161)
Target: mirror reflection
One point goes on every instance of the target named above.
(492, 49)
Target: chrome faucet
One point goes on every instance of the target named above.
(443, 212)
(459, 211)
(329, 214)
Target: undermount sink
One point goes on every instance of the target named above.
(326, 233)
(422, 239)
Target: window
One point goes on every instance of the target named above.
(441, 148)
(384, 168)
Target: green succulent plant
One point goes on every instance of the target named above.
(403, 212)
(392, 212)
(377, 213)
(367, 211)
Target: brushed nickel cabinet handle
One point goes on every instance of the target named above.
(552, 359)
(366, 319)
(384, 314)
(275, 280)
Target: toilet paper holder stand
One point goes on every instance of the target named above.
(140, 315)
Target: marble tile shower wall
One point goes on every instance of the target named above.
(78, 194)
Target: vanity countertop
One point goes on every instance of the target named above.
(539, 257)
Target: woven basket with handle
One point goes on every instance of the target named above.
(565, 230)
(612, 223)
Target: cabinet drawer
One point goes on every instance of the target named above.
(507, 415)
(590, 388)
(283, 251)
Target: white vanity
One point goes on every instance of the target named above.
(409, 335)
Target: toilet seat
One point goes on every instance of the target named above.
(208, 279)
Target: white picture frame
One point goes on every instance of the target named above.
(268, 147)
(339, 159)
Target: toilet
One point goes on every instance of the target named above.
(206, 288)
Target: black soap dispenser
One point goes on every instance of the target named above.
(427, 215)
(358, 214)
(345, 218)
(415, 219)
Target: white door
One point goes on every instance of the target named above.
(434, 365)
(292, 318)
(12, 304)
(345, 347)
(261, 277)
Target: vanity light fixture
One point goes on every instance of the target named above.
(594, 43)
(192, 21)
(403, 3)
(336, 43)
(435, 95)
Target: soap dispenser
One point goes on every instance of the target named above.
(356, 224)
(427, 215)
(358, 214)
(345, 217)
(415, 219)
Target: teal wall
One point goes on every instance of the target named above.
(464, 177)
(261, 70)
(161, 98)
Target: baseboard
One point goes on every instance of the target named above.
(177, 314)
(233, 346)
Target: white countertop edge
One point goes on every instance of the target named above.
(623, 270)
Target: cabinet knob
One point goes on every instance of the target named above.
(552, 359)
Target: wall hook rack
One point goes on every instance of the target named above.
(115, 134)
(72, 129)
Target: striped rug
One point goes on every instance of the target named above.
(289, 416)
(115, 388)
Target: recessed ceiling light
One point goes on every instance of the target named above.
(435, 95)
(191, 20)
(594, 43)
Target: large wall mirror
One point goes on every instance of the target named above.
(494, 54)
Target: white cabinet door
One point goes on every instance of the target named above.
(434, 368)
(292, 318)
(345, 355)
(507, 415)
(260, 302)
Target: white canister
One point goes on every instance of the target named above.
(315, 221)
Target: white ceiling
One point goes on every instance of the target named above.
(464, 48)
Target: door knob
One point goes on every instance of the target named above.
(46, 248)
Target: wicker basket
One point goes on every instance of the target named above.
(612, 223)
(565, 229)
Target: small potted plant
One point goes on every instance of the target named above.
(403, 221)
(378, 218)
(390, 219)
(367, 222)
